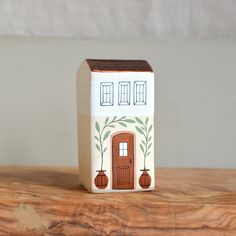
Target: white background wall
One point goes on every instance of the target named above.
(191, 45)
(195, 102)
(112, 19)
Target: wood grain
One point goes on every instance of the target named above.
(49, 201)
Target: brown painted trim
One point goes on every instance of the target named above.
(107, 65)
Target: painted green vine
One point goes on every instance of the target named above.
(103, 132)
(146, 143)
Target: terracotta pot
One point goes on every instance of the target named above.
(101, 180)
(145, 179)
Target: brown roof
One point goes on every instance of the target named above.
(119, 65)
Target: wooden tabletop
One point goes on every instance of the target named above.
(49, 201)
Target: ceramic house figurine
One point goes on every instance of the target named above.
(115, 111)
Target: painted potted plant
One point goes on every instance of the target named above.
(103, 132)
(145, 128)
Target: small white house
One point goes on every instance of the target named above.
(115, 111)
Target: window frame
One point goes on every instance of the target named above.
(121, 94)
(102, 94)
(137, 93)
(123, 149)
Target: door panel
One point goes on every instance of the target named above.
(123, 161)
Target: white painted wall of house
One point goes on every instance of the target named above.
(117, 110)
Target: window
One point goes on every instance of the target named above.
(124, 93)
(123, 149)
(106, 94)
(140, 93)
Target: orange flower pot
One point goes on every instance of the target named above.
(145, 179)
(101, 180)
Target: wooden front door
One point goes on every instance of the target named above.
(123, 161)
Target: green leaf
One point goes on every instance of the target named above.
(148, 153)
(150, 128)
(123, 117)
(106, 120)
(129, 121)
(143, 142)
(149, 138)
(141, 146)
(114, 118)
(111, 126)
(105, 149)
(149, 145)
(97, 126)
(142, 128)
(106, 135)
(98, 148)
(139, 130)
(122, 124)
(97, 138)
(146, 121)
(138, 120)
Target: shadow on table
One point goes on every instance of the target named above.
(66, 178)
